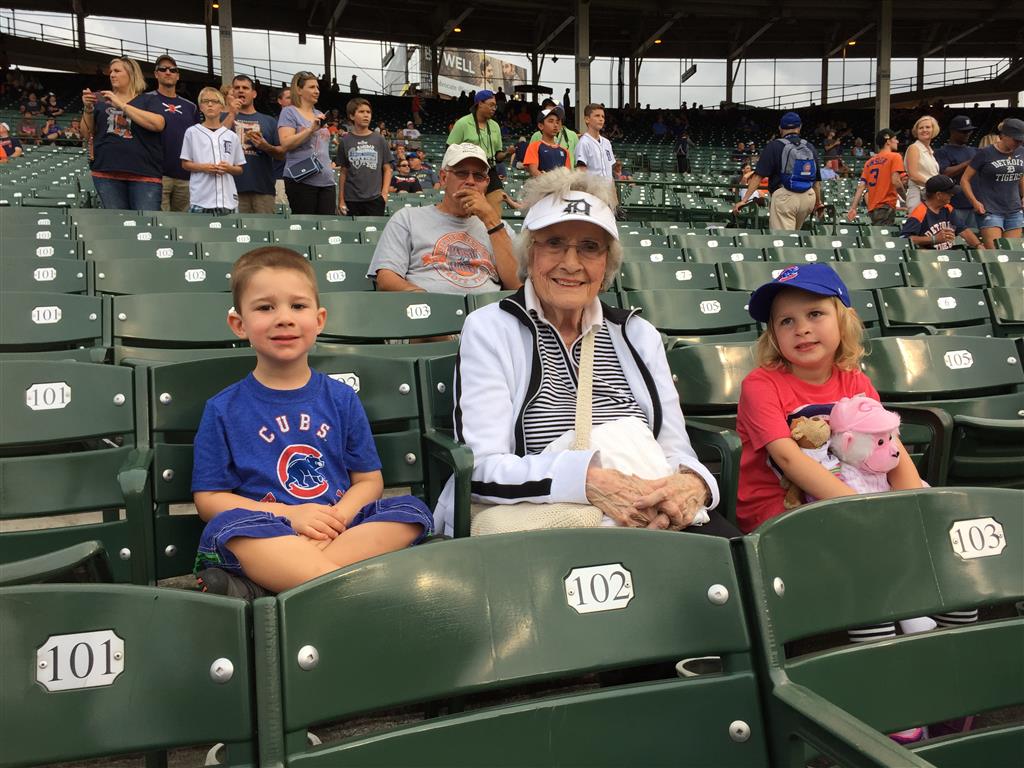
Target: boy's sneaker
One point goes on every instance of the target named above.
(909, 736)
(217, 581)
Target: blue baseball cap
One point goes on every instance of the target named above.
(483, 95)
(814, 278)
(790, 120)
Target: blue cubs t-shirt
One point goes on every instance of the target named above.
(290, 446)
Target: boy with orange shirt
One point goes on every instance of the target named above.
(545, 154)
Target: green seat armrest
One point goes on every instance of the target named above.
(52, 565)
(726, 443)
(459, 458)
(135, 477)
(940, 424)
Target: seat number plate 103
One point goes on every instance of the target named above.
(79, 660)
(980, 537)
(599, 588)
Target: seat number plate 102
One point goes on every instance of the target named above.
(599, 588)
(980, 537)
(80, 660)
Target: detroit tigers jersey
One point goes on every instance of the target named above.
(290, 446)
(201, 145)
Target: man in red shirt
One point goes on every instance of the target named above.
(881, 180)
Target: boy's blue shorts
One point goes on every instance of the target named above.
(214, 553)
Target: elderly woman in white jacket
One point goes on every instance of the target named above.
(516, 379)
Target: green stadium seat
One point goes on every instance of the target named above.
(1010, 243)
(832, 242)
(695, 316)
(354, 252)
(30, 248)
(932, 256)
(38, 321)
(254, 238)
(308, 237)
(50, 275)
(1003, 256)
(56, 230)
(107, 231)
(99, 647)
(953, 274)
(68, 442)
(956, 311)
(505, 612)
(926, 563)
(643, 240)
(877, 255)
(638, 275)
(131, 249)
(178, 322)
(1007, 305)
(1005, 275)
(891, 242)
(799, 255)
(342, 276)
(652, 254)
(84, 228)
(266, 221)
(724, 255)
(232, 251)
(145, 276)
(977, 381)
(364, 317)
(778, 240)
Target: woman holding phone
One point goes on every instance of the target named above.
(124, 124)
(308, 176)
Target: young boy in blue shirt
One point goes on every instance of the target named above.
(286, 474)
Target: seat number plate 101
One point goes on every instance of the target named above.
(79, 660)
(980, 537)
(599, 588)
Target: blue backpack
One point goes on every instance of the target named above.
(799, 166)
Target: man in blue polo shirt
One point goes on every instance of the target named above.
(794, 177)
(257, 134)
(179, 115)
(953, 158)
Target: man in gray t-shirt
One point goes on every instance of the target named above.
(457, 246)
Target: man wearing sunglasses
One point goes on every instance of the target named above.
(459, 245)
(179, 115)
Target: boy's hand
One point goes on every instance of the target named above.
(316, 521)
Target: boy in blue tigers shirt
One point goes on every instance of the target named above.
(286, 474)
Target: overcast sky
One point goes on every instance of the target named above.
(794, 80)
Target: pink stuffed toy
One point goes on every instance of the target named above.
(864, 440)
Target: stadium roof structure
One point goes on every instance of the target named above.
(703, 29)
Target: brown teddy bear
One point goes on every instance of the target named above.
(812, 434)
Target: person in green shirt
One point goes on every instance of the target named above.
(480, 129)
(566, 137)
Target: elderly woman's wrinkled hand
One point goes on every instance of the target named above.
(616, 494)
(678, 497)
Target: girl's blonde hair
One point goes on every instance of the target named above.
(136, 82)
(926, 119)
(848, 353)
(212, 93)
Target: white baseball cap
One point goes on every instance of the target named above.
(573, 206)
(5, 126)
(456, 153)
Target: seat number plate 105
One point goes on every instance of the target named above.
(599, 588)
(80, 660)
(980, 537)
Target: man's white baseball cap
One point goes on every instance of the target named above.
(456, 153)
(573, 206)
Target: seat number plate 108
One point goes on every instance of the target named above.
(980, 537)
(79, 660)
(599, 588)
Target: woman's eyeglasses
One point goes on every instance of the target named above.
(559, 246)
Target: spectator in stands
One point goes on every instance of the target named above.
(833, 149)
(740, 153)
(284, 99)
(252, 543)
(479, 127)
(28, 130)
(566, 137)
(403, 179)
(125, 124)
(858, 148)
(257, 134)
(682, 148)
(308, 177)
(212, 155)
(411, 135)
(794, 177)
(30, 105)
(417, 107)
(364, 165)
(994, 183)
(517, 384)
(953, 158)
(545, 154)
(459, 245)
(932, 224)
(50, 132)
(72, 132)
(618, 174)
(426, 176)
(180, 114)
(881, 180)
(353, 86)
(50, 106)
(11, 145)
(594, 151)
(919, 159)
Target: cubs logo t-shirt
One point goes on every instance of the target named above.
(289, 446)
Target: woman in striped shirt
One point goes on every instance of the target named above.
(517, 375)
